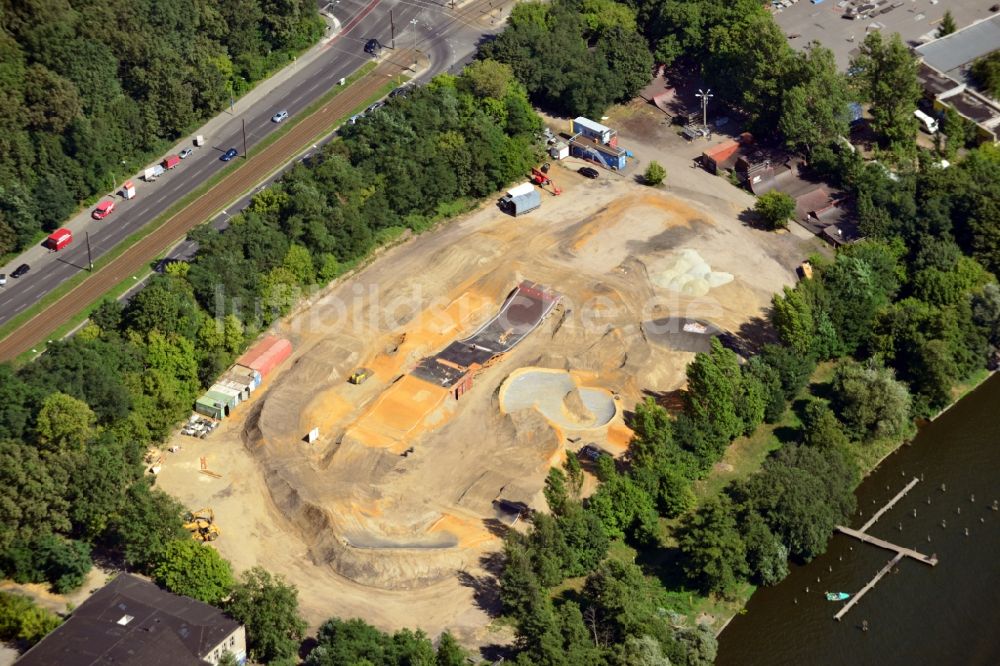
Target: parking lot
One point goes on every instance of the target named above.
(915, 21)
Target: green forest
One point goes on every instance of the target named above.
(91, 89)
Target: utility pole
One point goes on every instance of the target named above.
(245, 155)
(90, 258)
(392, 28)
(705, 95)
(414, 22)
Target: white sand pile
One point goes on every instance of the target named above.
(687, 273)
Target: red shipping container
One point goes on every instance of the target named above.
(59, 239)
(171, 162)
(266, 355)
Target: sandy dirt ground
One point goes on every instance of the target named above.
(390, 515)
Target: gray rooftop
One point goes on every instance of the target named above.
(954, 51)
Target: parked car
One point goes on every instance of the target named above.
(402, 91)
(592, 452)
(355, 118)
(375, 107)
(279, 116)
(103, 209)
(229, 154)
(186, 153)
(588, 172)
(3, 279)
(20, 270)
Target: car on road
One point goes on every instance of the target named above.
(3, 279)
(103, 209)
(401, 91)
(20, 270)
(186, 153)
(375, 107)
(588, 172)
(229, 154)
(372, 46)
(279, 116)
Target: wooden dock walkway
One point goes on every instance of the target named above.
(889, 504)
(857, 597)
(882, 543)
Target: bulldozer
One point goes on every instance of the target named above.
(360, 376)
(201, 525)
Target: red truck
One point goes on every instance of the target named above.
(171, 161)
(59, 239)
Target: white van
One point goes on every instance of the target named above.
(927, 124)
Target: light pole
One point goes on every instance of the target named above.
(704, 95)
(413, 22)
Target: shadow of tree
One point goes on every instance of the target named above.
(751, 337)
(496, 527)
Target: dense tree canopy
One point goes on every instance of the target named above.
(89, 85)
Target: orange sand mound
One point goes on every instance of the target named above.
(397, 413)
(470, 533)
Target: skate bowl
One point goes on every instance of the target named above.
(557, 397)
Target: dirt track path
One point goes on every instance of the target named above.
(263, 163)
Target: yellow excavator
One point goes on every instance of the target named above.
(360, 376)
(201, 525)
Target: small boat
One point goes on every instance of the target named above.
(837, 596)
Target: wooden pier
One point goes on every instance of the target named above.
(882, 543)
(889, 504)
(900, 551)
(857, 597)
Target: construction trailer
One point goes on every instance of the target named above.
(234, 395)
(249, 374)
(241, 388)
(266, 355)
(210, 407)
(596, 143)
(521, 199)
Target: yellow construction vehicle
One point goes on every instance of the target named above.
(201, 525)
(359, 376)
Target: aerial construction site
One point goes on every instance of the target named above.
(444, 379)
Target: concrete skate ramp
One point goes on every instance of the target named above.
(546, 391)
(680, 334)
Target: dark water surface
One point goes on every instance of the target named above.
(943, 615)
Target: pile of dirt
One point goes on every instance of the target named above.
(574, 408)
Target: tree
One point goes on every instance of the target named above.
(195, 570)
(654, 173)
(449, 652)
(885, 74)
(32, 495)
(22, 620)
(820, 427)
(714, 555)
(714, 382)
(269, 609)
(870, 402)
(767, 556)
(643, 651)
(947, 25)
(149, 520)
(814, 109)
(986, 72)
(64, 424)
(774, 209)
(622, 602)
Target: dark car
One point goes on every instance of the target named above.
(402, 91)
(374, 107)
(20, 270)
(589, 172)
(372, 46)
(592, 452)
(229, 154)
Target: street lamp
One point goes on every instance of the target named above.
(705, 95)
(413, 22)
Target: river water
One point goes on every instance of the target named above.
(943, 615)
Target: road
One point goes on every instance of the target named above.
(448, 37)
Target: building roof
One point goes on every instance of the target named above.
(952, 52)
(131, 621)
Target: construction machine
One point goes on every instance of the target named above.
(540, 178)
(360, 376)
(201, 525)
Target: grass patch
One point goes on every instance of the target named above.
(68, 285)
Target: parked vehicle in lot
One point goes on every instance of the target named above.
(229, 154)
(927, 124)
(59, 239)
(20, 270)
(588, 172)
(279, 116)
(104, 209)
(151, 174)
(592, 452)
(186, 153)
(171, 161)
